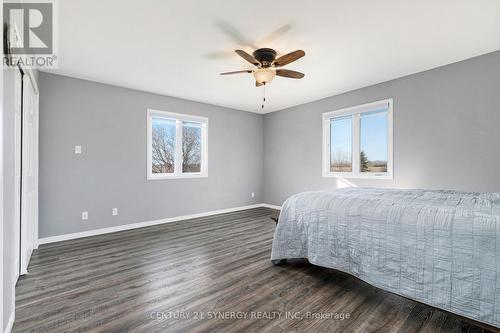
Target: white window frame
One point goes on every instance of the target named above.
(179, 119)
(356, 112)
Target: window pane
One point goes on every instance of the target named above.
(341, 144)
(191, 147)
(373, 141)
(163, 145)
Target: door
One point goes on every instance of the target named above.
(29, 166)
(18, 93)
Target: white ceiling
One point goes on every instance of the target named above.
(178, 48)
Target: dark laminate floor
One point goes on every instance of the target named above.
(135, 280)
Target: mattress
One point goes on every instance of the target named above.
(436, 247)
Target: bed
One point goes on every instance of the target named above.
(436, 247)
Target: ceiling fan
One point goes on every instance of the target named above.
(267, 66)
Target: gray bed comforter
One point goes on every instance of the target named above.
(436, 247)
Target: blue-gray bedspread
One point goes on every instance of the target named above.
(436, 247)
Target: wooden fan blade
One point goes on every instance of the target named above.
(288, 58)
(289, 73)
(247, 57)
(236, 72)
(258, 84)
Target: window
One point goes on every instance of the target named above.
(357, 141)
(177, 145)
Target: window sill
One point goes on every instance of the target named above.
(178, 176)
(358, 176)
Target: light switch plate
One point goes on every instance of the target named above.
(85, 215)
(114, 211)
(78, 149)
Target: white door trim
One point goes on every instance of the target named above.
(10, 323)
(1, 189)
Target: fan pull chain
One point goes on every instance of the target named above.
(264, 95)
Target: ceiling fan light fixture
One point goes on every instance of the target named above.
(264, 75)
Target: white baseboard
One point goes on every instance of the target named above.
(53, 239)
(10, 323)
(271, 206)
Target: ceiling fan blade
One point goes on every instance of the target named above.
(233, 33)
(275, 35)
(289, 73)
(288, 58)
(236, 72)
(247, 57)
(258, 84)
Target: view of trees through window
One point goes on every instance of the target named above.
(191, 147)
(373, 138)
(373, 141)
(163, 145)
(341, 144)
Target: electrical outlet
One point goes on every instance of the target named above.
(114, 211)
(85, 215)
(78, 149)
(252, 195)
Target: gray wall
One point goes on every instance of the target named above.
(445, 136)
(110, 124)
(446, 133)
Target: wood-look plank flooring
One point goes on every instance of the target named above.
(165, 278)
